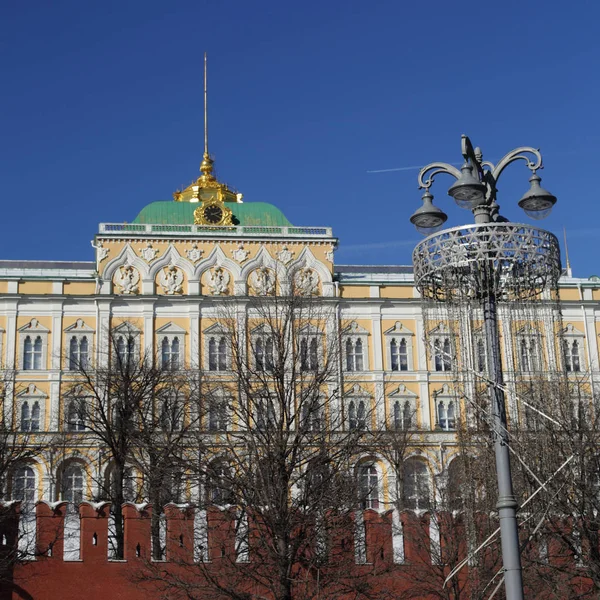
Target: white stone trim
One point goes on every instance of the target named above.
(33, 329)
(171, 331)
(31, 395)
(399, 332)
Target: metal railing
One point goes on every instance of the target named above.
(215, 231)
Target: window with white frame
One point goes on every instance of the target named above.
(33, 346)
(217, 347)
(403, 409)
(218, 413)
(79, 341)
(573, 347)
(312, 413)
(219, 483)
(24, 485)
(355, 345)
(171, 413)
(265, 417)
(368, 486)
(30, 405)
(72, 483)
(357, 409)
(529, 348)
(479, 352)
(126, 344)
(446, 409)
(399, 347)
(310, 348)
(441, 348)
(170, 343)
(264, 349)
(75, 414)
(416, 488)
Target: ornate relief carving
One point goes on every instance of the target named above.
(218, 281)
(128, 278)
(307, 281)
(285, 256)
(194, 254)
(171, 280)
(263, 281)
(329, 255)
(240, 254)
(148, 253)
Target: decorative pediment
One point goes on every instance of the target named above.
(79, 327)
(440, 329)
(34, 326)
(31, 392)
(355, 329)
(126, 327)
(310, 329)
(357, 390)
(570, 329)
(398, 329)
(216, 328)
(403, 392)
(262, 329)
(171, 328)
(444, 391)
(528, 329)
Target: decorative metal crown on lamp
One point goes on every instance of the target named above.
(537, 202)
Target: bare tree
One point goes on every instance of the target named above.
(279, 474)
(136, 407)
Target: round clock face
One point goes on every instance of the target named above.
(213, 214)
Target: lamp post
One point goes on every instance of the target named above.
(484, 263)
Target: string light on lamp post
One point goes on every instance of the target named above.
(486, 262)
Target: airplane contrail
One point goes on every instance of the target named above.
(414, 168)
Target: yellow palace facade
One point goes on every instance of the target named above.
(167, 273)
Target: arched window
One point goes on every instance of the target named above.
(312, 414)
(222, 355)
(259, 355)
(481, 356)
(131, 483)
(571, 353)
(361, 415)
(219, 483)
(30, 416)
(442, 354)
(447, 355)
(349, 355)
(352, 422)
(170, 353)
(75, 416)
(416, 488)
(78, 353)
(399, 355)
(446, 414)
(74, 354)
(403, 415)
(32, 353)
(125, 347)
(217, 415)
(368, 486)
(25, 417)
(28, 354)
(72, 484)
(354, 355)
(269, 355)
(309, 354)
(265, 414)
(35, 416)
(23, 487)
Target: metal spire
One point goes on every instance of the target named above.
(206, 166)
(569, 272)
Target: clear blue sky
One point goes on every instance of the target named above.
(101, 112)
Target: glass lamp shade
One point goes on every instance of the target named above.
(537, 202)
(467, 191)
(428, 218)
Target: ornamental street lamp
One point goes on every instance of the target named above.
(484, 263)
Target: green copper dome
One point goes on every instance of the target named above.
(182, 213)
